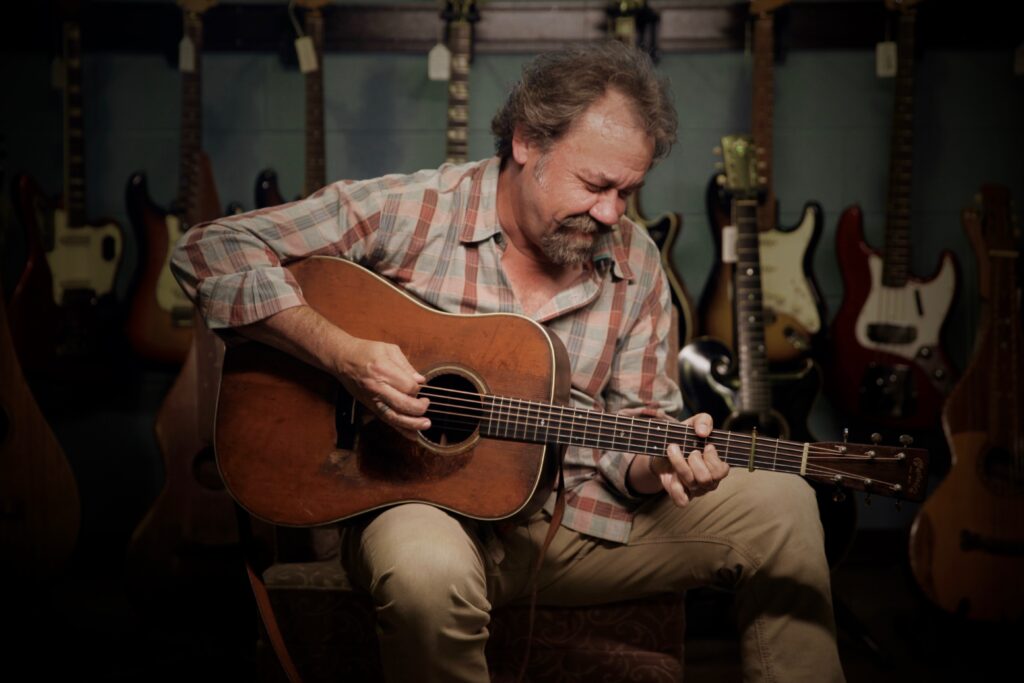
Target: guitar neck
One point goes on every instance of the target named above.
(316, 174)
(896, 268)
(512, 419)
(191, 116)
(74, 141)
(762, 123)
(459, 43)
(755, 392)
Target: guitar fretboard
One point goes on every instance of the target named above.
(763, 108)
(457, 141)
(896, 268)
(74, 142)
(755, 392)
(316, 173)
(191, 122)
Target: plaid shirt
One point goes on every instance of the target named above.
(436, 234)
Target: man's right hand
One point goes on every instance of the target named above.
(381, 378)
(377, 374)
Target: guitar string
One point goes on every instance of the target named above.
(662, 440)
(629, 422)
(762, 460)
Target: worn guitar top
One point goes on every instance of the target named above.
(436, 234)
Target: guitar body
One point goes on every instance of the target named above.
(887, 364)
(967, 542)
(38, 494)
(32, 312)
(159, 323)
(267, 192)
(793, 307)
(710, 382)
(84, 258)
(284, 440)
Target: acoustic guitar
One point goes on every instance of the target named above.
(967, 542)
(267, 192)
(82, 257)
(294, 449)
(40, 512)
(741, 392)
(886, 363)
(159, 323)
(793, 308)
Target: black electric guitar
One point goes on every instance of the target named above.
(633, 23)
(794, 310)
(741, 393)
(312, 66)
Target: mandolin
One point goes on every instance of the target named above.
(886, 363)
(267, 192)
(742, 393)
(967, 541)
(159, 323)
(793, 308)
(294, 449)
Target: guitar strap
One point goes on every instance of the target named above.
(273, 630)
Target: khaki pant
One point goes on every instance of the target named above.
(434, 578)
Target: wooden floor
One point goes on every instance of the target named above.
(85, 627)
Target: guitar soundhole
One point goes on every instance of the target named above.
(455, 409)
(1000, 475)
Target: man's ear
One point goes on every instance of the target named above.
(520, 146)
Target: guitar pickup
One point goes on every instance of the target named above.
(887, 333)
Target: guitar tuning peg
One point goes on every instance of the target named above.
(719, 166)
(906, 440)
(720, 179)
(717, 151)
(867, 498)
(876, 438)
(846, 434)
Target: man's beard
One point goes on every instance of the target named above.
(562, 246)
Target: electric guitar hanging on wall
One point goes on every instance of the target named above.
(83, 258)
(459, 16)
(740, 392)
(159, 323)
(967, 542)
(633, 23)
(793, 307)
(887, 365)
(311, 63)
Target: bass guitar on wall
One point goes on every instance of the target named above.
(886, 363)
(967, 542)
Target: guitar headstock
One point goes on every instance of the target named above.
(196, 6)
(892, 471)
(741, 164)
(460, 10)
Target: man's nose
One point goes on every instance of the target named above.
(609, 207)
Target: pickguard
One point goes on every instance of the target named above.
(784, 284)
(83, 258)
(169, 294)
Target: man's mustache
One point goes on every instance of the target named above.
(584, 223)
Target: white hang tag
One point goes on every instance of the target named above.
(306, 51)
(186, 55)
(439, 63)
(886, 59)
(729, 234)
(1018, 60)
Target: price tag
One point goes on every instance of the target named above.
(186, 55)
(439, 63)
(306, 51)
(886, 59)
(729, 234)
